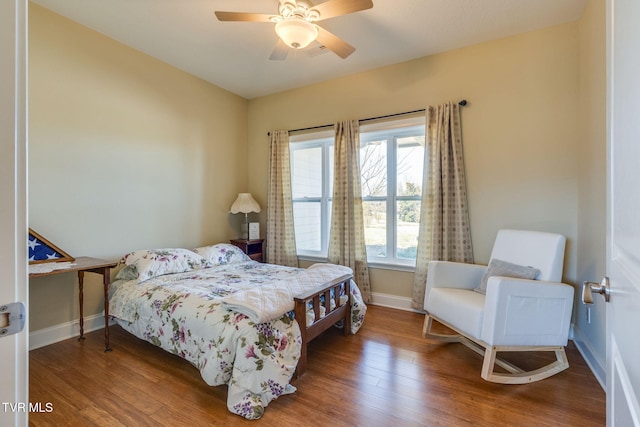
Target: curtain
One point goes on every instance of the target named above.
(346, 237)
(281, 241)
(445, 233)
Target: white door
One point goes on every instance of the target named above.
(14, 396)
(623, 220)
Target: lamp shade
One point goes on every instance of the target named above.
(296, 33)
(245, 204)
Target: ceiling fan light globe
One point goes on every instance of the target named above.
(296, 33)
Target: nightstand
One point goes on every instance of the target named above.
(254, 247)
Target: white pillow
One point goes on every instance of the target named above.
(150, 263)
(506, 269)
(222, 254)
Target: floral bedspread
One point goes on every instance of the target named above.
(183, 314)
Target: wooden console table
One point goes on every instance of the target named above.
(89, 265)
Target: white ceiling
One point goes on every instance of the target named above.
(235, 55)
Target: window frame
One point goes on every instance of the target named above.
(324, 140)
(400, 129)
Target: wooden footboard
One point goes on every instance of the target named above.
(321, 324)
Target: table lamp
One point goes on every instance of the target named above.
(245, 204)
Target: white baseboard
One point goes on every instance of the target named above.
(392, 301)
(64, 331)
(596, 365)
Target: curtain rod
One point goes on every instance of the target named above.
(462, 103)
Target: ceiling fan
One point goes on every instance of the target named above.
(295, 24)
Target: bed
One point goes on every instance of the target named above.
(234, 319)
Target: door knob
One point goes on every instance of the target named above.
(601, 288)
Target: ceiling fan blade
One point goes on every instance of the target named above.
(334, 43)
(242, 16)
(333, 8)
(280, 51)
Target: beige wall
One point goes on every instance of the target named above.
(125, 152)
(592, 166)
(520, 130)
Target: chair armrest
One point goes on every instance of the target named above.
(447, 274)
(526, 312)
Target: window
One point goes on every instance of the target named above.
(391, 163)
(311, 188)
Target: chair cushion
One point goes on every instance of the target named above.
(544, 251)
(460, 308)
(505, 269)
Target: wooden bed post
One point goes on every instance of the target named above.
(301, 317)
(331, 316)
(347, 315)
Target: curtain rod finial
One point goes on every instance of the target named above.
(462, 103)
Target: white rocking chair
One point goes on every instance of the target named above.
(515, 314)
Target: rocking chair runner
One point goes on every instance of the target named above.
(515, 314)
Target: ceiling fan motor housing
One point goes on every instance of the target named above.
(298, 10)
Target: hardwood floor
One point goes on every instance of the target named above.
(386, 375)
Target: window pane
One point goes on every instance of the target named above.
(373, 168)
(375, 228)
(408, 221)
(409, 166)
(306, 172)
(307, 225)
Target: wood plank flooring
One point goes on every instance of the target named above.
(386, 375)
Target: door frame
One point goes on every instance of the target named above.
(14, 349)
